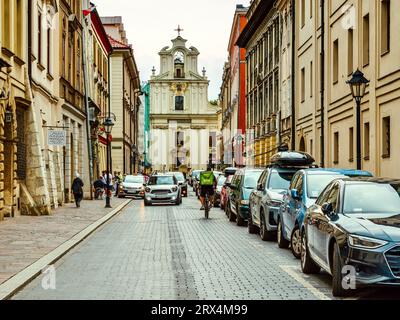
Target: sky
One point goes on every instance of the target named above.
(150, 26)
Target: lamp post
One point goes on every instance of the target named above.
(358, 84)
(108, 125)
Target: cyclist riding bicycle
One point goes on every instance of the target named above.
(207, 186)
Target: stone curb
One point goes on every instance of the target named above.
(21, 279)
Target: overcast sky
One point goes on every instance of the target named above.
(150, 25)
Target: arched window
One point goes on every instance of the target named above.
(179, 64)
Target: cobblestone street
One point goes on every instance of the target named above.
(171, 252)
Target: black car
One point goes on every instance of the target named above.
(353, 229)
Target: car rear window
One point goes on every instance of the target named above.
(280, 180)
(251, 178)
(316, 183)
(371, 198)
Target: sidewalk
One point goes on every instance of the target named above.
(24, 240)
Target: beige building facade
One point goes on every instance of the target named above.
(358, 35)
(71, 95)
(13, 99)
(125, 102)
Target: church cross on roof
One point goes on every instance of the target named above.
(179, 30)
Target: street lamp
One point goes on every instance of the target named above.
(358, 84)
(108, 125)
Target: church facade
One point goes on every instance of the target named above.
(183, 124)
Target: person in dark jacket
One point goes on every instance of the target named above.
(77, 189)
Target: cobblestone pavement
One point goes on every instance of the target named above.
(169, 252)
(24, 240)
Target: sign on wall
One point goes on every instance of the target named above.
(57, 138)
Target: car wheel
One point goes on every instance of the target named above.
(252, 229)
(282, 242)
(308, 266)
(337, 275)
(295, 242)
(240, 222)
(264, 233)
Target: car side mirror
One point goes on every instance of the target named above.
(295, 194)
(327, 209)
(260, 187)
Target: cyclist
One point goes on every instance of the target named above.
(207, 186)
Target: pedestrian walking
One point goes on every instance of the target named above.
(77, 189)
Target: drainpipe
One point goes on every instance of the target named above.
(322, 83)
(293, 142)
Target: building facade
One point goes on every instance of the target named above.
(183, 122)
(147, 127)
(14, 100)
(262, 40)
(233, 94)
(71, 95)
(355, 35)
(98, 49)
(125, 102)
(45, 161)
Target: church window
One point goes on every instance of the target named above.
(179, 63)
(179, 100)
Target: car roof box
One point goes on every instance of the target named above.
(295, 159)
(230, 171)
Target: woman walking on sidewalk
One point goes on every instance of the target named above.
(77, 189)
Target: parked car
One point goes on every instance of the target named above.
(220, 183)
(224, 192)
(243, 183)
(303, 191)
(266, 200)
(132, 186)
(162, 189)
(354, 223)
(181, 181)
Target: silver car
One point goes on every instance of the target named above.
(132, 186)
(162, 189)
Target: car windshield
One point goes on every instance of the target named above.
(371, 198)
(179, 176)
(316, 183)
(161, 180)
(221, 181)
(251, 179)
(280, 180)
(134, 179)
